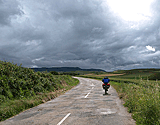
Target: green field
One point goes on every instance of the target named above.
(140, 90)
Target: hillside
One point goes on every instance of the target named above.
(65, 69)
(151, 74)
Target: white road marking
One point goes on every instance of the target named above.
(64, 119)
(87, 95)
(92, 84)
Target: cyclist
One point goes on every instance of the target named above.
(106, 80)
(106, 84)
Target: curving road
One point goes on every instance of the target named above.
(85, 104)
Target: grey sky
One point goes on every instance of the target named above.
(81, 33)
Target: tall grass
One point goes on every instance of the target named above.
(142, 101)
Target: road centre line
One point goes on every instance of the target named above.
(64, 119)
(92, 84)
(87, 95)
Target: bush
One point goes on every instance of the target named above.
(22, 88)
(54, 73)
(155, 76)
(18, 82)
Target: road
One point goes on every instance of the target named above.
(85, 104)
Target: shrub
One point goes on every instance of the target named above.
(54, 73)
(18, 82)
(155, 76)
(22, 88)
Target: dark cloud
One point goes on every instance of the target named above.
(79, 33)
(8, 9)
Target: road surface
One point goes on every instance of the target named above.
(85, 104)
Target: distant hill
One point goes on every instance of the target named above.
(145, 70)
(65, 69)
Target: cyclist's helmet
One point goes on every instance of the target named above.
(105, 77)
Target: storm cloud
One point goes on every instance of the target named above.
(79, 33)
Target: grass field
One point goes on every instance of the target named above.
(141, 95)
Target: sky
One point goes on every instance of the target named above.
(102, 34)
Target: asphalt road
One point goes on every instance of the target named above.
(85, 104)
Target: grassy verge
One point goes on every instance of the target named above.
(142, 102)
(12, 107)
(22, 88)
(142, 99)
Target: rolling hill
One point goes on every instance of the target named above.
(65, 69)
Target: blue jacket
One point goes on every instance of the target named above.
(106, 80)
